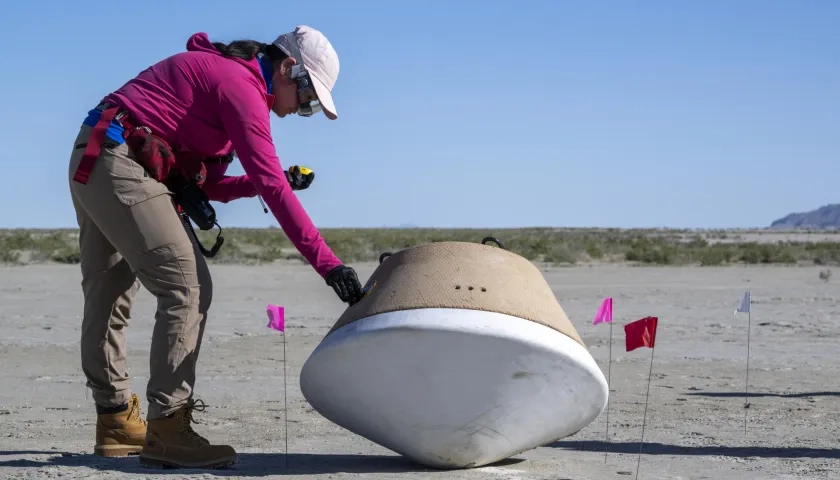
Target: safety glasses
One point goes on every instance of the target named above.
(307, 97)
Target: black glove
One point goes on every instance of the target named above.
(299, 180)
(345, 282)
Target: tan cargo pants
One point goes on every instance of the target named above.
(131, 235)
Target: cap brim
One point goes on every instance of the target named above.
(324, 97)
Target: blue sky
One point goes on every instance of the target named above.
(476, 113)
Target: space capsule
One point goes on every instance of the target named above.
(458, 356)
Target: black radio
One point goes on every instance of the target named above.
(195, 206)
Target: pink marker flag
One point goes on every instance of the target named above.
(275, 317)
(604, 314)
(276, 321)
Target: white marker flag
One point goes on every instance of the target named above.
(744, 307)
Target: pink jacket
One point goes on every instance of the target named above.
(200, 101)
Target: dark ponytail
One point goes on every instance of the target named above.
(248, 49)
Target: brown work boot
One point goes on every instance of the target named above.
(120, 434)
(171, 442)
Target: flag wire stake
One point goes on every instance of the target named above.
(609, 369)
(747, 380)
(285, 407)
(644, 418)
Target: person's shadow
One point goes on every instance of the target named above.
(247, 465)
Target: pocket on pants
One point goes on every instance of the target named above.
(151, 210)
(131, 182)
(140, 190)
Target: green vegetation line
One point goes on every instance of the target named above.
(550, 245)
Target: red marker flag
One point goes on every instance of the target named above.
(641, 333)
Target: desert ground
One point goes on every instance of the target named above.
(695, 417)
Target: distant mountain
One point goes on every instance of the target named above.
(826, 217)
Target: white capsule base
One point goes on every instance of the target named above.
(454, 388)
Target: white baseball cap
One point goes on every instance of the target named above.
(320, 61)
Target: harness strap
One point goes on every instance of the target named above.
(94, 145)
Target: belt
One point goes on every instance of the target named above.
(122, 114)
(112, 113)
(94, 144)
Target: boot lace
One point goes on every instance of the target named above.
(186, 429)
(134, 410)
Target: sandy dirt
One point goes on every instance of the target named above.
(695, 418)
